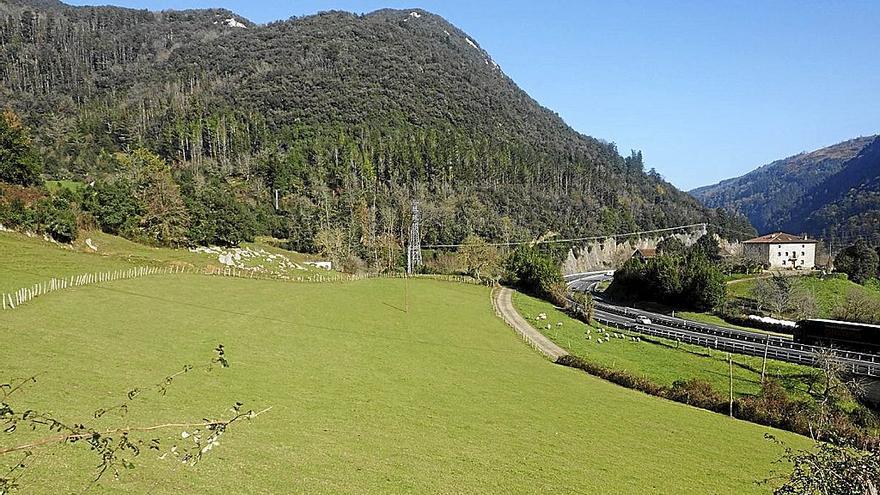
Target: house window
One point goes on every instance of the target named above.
(780, 255)
(803, 253)
(783, 262)
(786, 254)
(802, 262)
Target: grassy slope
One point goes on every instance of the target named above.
(29, 260)
(663, 362)
(366, 398)
(828, 292)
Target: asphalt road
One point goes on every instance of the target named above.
(717, 337)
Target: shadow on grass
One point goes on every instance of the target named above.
(394, 307)
(792, 382)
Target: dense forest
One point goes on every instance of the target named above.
(348, 117)
(832, 193)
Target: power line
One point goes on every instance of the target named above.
(574, 239)
(734, 231)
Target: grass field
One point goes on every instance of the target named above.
(377, 386)
(56, 186)
(828, 292)
(665, 361)
(29, 260)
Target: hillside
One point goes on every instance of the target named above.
(347, 116)
(831, 192)
(376, 386)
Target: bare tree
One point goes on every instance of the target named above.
(774, 293)
(115, 447)
(859, 307)
(830, 469)
(834, 465)
(784, 299)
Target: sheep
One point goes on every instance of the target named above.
(559, 324)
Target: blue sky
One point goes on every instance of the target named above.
(707, 90)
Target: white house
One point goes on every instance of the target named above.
(782, 251)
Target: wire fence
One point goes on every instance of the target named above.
(869, 368)
(24, 295)
(784, 342)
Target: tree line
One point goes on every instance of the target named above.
(679, 276)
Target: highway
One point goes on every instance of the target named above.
(587, 281)
(713, 336)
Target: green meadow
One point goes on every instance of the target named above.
(25, 260)
(828, 292)
(376, 386)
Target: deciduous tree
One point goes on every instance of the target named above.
(858, 261)
(479, 257)
(19, 163)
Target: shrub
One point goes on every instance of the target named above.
(698, 393)
(773, 406)
(858, 261)
(114, 206)
(29, 209)
(857, 306)
(584, 307)
(15, 214)
(535, 273)
(57, 219)
(619, 377)
(217, 218)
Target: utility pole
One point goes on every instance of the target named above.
(414, 249)
(730, 367)
(764, 363)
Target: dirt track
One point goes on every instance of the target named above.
(504, 307)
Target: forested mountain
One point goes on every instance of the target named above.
(347, 116)
(833, 193)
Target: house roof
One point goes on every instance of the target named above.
(780, 238)
(646, 252)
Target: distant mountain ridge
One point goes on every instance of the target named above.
(833, 192)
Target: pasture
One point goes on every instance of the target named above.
(828, 292)
(29, 260)
(376, 386)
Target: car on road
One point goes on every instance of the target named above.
(644, 320)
